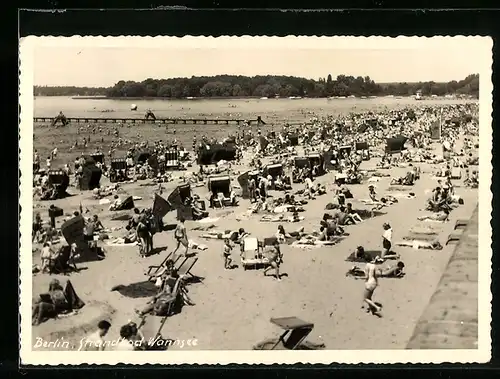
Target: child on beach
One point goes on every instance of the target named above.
(275, 258)
(386, 240)
(386, 245)
(226, 253)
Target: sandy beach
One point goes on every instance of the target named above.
(233, 308)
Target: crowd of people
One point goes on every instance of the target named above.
(299, 158)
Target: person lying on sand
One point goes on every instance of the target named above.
(257, 206)
(441, 216)
(321, 238)
(291, 200)
(392, 271)
(418, 244)
(287, 208)
(282, 235)
(98, 193)
(235, 236)
(130, 237)
(281, 218)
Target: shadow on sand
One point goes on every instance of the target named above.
(137, 290)
(366, 214)
(157, 250)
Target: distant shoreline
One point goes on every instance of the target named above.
(152, 98)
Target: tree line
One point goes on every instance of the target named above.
(266, 86)
(69, 91)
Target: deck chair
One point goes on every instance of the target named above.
(64, 263)
(154, 269)
(185, 267)
(156, 336)
(165, 305)
(296, 330)
(461, 224)
(251, 253)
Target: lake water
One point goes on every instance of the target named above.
(231, 108)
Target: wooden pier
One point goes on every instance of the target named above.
(169, 121)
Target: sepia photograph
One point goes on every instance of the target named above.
(205, 199)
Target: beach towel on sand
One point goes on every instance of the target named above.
(421, 237)
(426, 229)
(314, 243)
(356, 272)
(368, 256)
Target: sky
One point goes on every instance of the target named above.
(95, 65)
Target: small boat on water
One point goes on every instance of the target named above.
(264, 98)
(418, 95)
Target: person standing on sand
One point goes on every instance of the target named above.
(228, 262)
(180, 235)
(386, 240)
(275, 259)
(371, 283)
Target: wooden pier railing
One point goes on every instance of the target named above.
(126, 120)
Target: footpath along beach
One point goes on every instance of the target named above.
(233, 307)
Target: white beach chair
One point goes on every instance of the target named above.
(251, 254)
